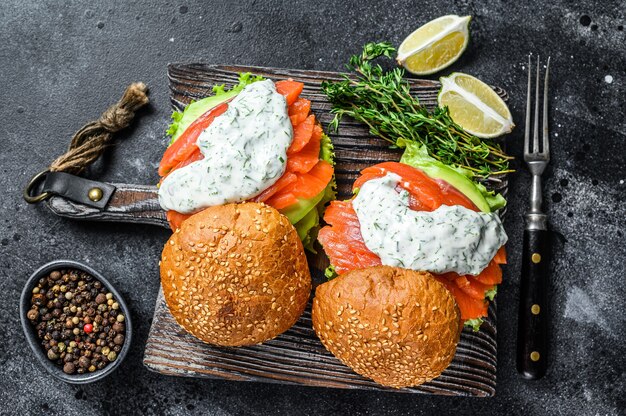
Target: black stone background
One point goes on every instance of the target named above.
(63, 62)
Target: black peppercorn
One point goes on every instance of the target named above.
(84, 362)
(69, 368)
(101, 298)
(38, 299)
(52, 354)
(32, 314)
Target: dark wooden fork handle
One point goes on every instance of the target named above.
(532, 331)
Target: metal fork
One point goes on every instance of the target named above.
(532, 332)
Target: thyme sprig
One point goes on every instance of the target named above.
(383, 101)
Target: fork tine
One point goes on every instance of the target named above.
(528, 109)
(546, 136)
(536, 121)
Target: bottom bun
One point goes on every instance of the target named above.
(398, 327)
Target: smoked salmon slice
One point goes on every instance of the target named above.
(310, 184)
(470, 308)
(282, 201)
(491, 275)
(175, 219)
(472, 287)
(290, 89)
(185, 145)
(307, 157)
(342, 240)
(193, 157)
(287, 179)
(301, 135)
(500, 257)
(299, 111)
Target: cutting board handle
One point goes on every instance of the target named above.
(137, 204)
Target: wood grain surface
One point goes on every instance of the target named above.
(297, 356)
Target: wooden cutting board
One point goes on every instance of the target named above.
(297, 356)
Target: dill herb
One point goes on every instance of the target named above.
(382, 100)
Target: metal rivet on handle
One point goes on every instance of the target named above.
(536, 258)
(535, 309)
(534, 356)
(95, 194)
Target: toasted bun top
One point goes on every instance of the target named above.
(235, 274)
(398, 327)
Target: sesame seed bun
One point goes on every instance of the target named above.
(235, 274)
(398, 327)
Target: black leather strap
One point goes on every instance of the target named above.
(78, 189)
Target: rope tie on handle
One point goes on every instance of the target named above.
(92, 139)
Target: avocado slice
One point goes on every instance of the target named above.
(298, 211)
(309, 211)
(307, 229)
(417, 156)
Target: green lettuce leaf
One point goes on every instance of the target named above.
(327, 150)
(491, 293)
(330, 272)
(474, 323)
(495, 201)
(182, 120)
(417, 156)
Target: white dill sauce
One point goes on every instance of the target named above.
(448, 239)
(245, 152)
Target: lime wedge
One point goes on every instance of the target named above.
(435, 45)
(475, 106)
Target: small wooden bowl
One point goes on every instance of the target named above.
(35, 342)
